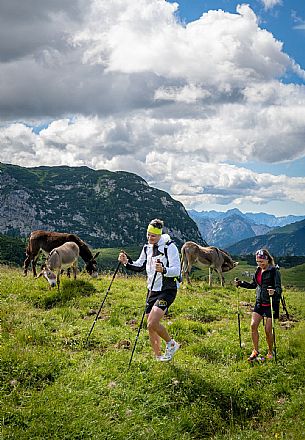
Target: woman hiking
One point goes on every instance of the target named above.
(160, 258)
(267, 282)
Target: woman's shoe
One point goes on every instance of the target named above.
(253, 356)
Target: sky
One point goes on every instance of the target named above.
(204, 99)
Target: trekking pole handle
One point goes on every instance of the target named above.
(128, 256)
(270, 290)
(237, 282)
(123, 252)
(160, 262)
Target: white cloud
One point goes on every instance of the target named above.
(220, 48)
(188, 94)
(224, 184)
(184, 173)
(138, 83)
(123, 55)
(269, 4)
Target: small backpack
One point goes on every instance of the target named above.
(169, 242)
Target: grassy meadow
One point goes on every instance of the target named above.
(53, 386)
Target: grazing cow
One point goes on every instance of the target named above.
(213, 257)
(58, 259)
(47, 241)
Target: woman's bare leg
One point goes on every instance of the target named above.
(256, 319)
(156, 330)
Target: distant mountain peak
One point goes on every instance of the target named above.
(234, 211)
(281, 241)
(223, 229)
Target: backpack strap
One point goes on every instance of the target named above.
(272, 270)
(145, 250)
(168, 243)
(165, 251)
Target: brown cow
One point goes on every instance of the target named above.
(47, 241)
(211, 256)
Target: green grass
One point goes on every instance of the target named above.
(53, 386)
(293, 277)
(108, 257)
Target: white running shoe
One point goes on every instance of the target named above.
(170, 351)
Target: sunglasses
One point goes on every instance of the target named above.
(261, 254)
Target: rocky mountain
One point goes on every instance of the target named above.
(272, 221)
(286, 240)
(106, 209)
(223, 229)
(257, 218)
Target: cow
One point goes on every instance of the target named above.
(58, 259)
(211, 256)
(47, 241)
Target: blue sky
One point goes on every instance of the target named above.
(204, 99)
(286, 21)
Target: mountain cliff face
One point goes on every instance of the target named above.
(106, 209)
(223, 229)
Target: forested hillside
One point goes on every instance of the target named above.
(104, 208)
(287, 240)
(12, 250)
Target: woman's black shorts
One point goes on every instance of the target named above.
(162, 299)
(266, 310)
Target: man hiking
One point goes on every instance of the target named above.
(160, 258)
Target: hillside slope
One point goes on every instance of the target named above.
(104, 208)
(288, 240)
(56, 386)
(12, 250)
(225, 229)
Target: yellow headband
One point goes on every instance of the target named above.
(154, 230)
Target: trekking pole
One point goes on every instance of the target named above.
(273, 327)
(103, 302)
(285, 307)
(141, 323)
(238, 317)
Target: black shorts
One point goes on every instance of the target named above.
(162, 299)
(265, 311)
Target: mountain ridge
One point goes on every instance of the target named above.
(224, 229)
(256, 217)
(285, 240)
(105, 208)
